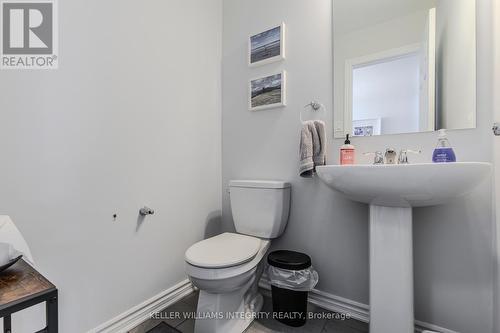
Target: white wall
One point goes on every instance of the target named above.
(132, 117)
(455, 59)
(453, 244)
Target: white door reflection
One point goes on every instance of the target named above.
(390, 90)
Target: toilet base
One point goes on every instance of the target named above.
(229, 312)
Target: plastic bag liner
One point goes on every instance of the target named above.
(303, 280)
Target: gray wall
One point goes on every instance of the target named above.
(496, 151)
(453, 243)
(131, 117)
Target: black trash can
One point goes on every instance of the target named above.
(289, 306)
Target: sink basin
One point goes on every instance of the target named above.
(410, 185)
(392, 191)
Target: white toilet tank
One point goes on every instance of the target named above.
(260, 207)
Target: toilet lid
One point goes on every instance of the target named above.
(225, 250)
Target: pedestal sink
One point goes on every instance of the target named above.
(392, 191)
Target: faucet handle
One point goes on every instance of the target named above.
(403, 155)
(378, 157)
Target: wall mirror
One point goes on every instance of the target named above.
(403, 66)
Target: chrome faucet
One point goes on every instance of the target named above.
(403, 155)
(390, 156)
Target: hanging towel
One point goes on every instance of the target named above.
(312, 147)
(320, 146)
(306, 165)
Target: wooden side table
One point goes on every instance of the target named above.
(21, 287)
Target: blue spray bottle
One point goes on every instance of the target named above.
(443, 152)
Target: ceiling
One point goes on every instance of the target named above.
(350, 15)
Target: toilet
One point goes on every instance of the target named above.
(227, 268)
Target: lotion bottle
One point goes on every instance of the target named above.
(347, 152)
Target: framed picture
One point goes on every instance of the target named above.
(267, 92)
(267, 47)
(366, 127)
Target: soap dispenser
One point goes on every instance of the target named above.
(444, 152)
(347, 152)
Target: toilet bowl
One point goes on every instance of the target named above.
(227, 268)
(228, 294)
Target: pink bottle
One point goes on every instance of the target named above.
(347, 152)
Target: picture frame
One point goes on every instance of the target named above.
(366, 127)
(267, 92)
(267, 46)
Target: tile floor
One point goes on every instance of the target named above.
(189, 303)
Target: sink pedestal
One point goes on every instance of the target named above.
(391, 270)
(391, 190)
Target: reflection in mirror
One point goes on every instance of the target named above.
(404, 66)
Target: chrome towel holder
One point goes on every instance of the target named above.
(314, 107)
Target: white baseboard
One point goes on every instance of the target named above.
(140, 313)
(422, 326)
(356, 310)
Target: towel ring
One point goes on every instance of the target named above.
(314, 106)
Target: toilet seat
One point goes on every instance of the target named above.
(223, 251)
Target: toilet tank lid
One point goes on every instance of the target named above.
(259, 184)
